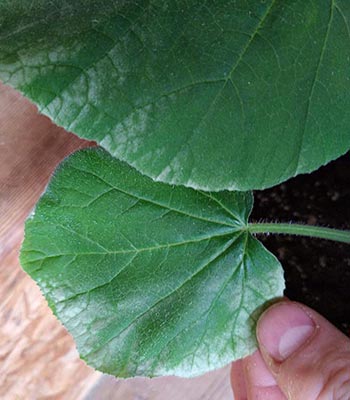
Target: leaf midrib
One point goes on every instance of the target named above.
(137, 250)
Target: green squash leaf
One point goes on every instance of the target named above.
(212, 95)
(150, 279)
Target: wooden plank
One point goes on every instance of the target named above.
(38, 359)
(212, 386)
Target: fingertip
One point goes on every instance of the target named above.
(283, 329)
(261, 385)
(256, 371)
(305, 352)
(238, 381)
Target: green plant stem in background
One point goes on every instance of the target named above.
(301, 230)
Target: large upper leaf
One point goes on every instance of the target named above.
(150, 279)
(234, 94)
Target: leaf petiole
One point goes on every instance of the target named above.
(301, 230)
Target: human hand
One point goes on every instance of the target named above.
(301, 357)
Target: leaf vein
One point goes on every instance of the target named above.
(148, 200)
(137, 318)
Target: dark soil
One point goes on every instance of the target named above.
(317, 271)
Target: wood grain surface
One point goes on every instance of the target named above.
(38, 359)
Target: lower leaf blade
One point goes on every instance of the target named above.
(150, 279)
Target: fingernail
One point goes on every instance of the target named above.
(283, 329)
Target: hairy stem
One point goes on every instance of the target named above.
(301, 230)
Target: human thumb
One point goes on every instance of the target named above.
(308, 356)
